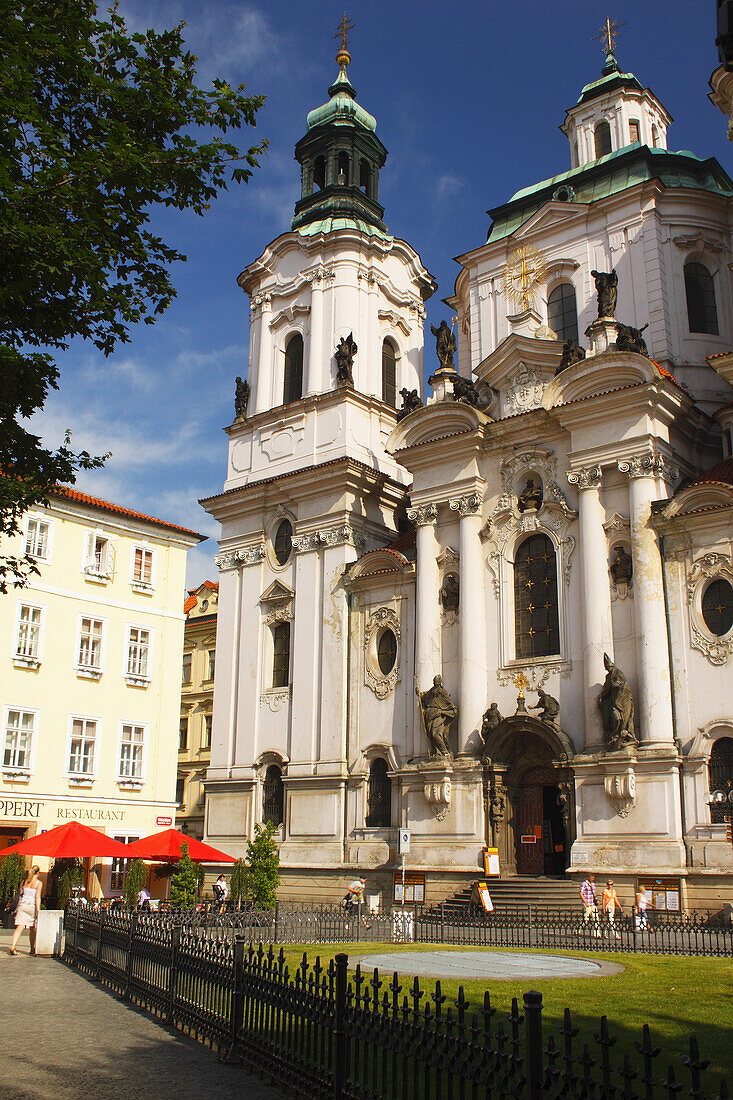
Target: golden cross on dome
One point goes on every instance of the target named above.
(343, 29)
(608, 34)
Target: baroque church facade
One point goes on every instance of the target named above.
(500, 614)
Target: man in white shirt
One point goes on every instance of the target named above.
(355, 895)
(221, 892)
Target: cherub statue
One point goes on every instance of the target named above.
(345, 353)
(607, 291)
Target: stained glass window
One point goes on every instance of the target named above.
(273, 796)
(536, 627)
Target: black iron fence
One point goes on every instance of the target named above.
(326, 1033)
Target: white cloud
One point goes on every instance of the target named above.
(447, 187)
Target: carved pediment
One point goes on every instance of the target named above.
(549, 216)
(276, 592)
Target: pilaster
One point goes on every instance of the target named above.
(471, 626)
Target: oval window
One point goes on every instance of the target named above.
(387, 651)
(283, 543)
(717, 607)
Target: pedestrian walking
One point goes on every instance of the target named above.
(143, 900)
(221, 892)
(354, 896)
(643, 903)
(610, 906)
(26, 913)
(590, 903)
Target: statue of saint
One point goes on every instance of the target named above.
(438, 713)
(492, 718)
(571, 353)
(548, 707)
(629, 338)
(622, 567)
(465, 391)
(530, 497)
(410, 402)
(616, 705)
(445, 344)
(607, 291)
(241, 399)
(450, 592)
(345, 353)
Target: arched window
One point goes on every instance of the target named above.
(379, 796)
(273, 800)
(319, 172)
(702, 313)
(720, 779)
(602, 138)
(343, 169)
(283, 542)
(364, 175)
(536, 628)
(562, 313)
(389, 374)
(386, 651)
(717, 607)
(293, 382)
(281, 655)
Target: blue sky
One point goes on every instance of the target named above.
(468, 99)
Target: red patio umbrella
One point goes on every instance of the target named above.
(166, 846)
(71, 840)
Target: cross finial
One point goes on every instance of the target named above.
(521, 682)
(607, 35)
(343, 29)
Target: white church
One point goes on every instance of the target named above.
(547, 527)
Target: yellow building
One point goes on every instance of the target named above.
(197, 700)
(90, 676)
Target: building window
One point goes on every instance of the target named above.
(602, 139)
(342, 178)
(19, 730)
(283, 544)
(364, 175)
(386, 651)
(319, 173)
(379, 797)
(90, 644)
(293, 382)
(206, 732)
(281, 655)
(273, 796)
(28, 642)
(717, 607)
(180, 791)
(562, 312)
(633, 130)
(183, 735)
(138, 648)
(536, 627)
(655, 137)
(186, 669)
(119, 865)
(389, 374)
(702, 312)
(142, 566)
(83, 741)
(131, 752)
(98, 557)
(36, 540)
(720, 780)
(211, 663)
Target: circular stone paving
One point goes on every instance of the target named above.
(466, 965)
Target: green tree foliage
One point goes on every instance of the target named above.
(12, 873)
(263, 877)
(65, 874)
(136, 876)
(98, 128)
(238, 882)
(184, 884)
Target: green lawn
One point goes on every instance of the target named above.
(676, 995)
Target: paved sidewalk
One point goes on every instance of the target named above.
(64, 1037)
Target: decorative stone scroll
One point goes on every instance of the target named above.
(248, 555)
(423, 515)
(586, 477)
(330, 536)
(648, 464)
(466, 505)
(276, 698)
(438, 796)
(620, 786)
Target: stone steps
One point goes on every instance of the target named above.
(517, 893)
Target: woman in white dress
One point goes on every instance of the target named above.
(28, 909)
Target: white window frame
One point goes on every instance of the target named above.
(33, 517)
(133, 678)
(209, 662)
(23, 660)
(90, 672)
(123, 838)
(83, 779)
(100, 571)
(187, 653)
(202, 746)
(15, 772)
(132, 782)
(136, 584)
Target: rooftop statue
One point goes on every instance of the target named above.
(571, 353)
(410, 402)
(616, 704)
(629, 338)
(241, 399)
(548, 707)
(445, 344)
(438, 714)
(345, 352)
(607, 290)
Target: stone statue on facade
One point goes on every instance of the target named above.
(629, 338)
(571, 353)
(607, 291)
(445, 344)
(241, 399)
(622, 566)
(616, 704)
(548, 707)
(345, 353)
(465, 391)
(438, 714)
(450, 592)
(491, 719)
(410, 402)
(531, 497)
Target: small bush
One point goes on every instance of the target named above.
(12, 873)
(184, 884)
(136, 876)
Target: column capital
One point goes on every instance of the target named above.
(585, 477)
(467, 505)
(248, 555)
(648, 464)
(424, 515)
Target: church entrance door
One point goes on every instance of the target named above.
(541, 836)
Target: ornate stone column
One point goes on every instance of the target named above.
(427, 629)
(471, 624)
(263, 391)
(314, 382)
(653, 708)
(596, 595)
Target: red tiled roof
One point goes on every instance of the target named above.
(720, 474)
(190, 601)
(718, 354)
(117, 509)
(668, 374)
(406, 541)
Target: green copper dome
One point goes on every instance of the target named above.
(342, 108)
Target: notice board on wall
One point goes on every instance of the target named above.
(414, 887)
